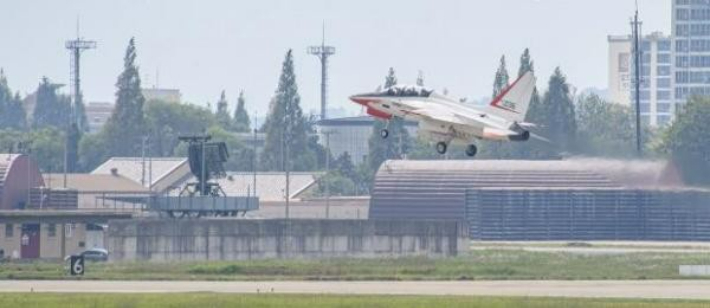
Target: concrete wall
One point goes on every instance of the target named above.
(223, 239)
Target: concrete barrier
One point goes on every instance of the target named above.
(231, 239)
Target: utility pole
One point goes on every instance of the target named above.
(253, 159)
(323, 52)
(143, 141)
(327, 134)
(637, 78)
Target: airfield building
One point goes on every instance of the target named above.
(586, 199)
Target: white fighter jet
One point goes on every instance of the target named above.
(444, 120)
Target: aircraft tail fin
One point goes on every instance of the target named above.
(513, 102)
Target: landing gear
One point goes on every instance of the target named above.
(441, 147)
(384, 133)
(471, 150)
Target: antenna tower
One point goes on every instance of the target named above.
(323, 52)
(75, 47)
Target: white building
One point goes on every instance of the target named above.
(167, 95)
(655, 94)
(691, 48)
(351, 135)
(97, 114)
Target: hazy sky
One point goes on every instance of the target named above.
(202, 47)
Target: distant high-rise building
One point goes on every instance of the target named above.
(97, 114)
(691, 48)
(656, 100)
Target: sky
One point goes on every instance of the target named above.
(204, 47)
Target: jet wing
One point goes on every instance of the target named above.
(439, 115)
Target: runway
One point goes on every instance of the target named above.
(653, 289)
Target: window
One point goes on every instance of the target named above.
(664, 58)
(663, 107)
(664, 45)
(624, 62)
(9, 230)
(68, 230)
(663, 95)
(663, 83)
(645, 108)
(663, 70)
(663, 120)
(52, 230)
(682, 14)
(645, 46)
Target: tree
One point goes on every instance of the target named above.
(396, 144)
(166, 121)
(501, 80)
(604, 128)
(420, 79)
(12, 115)
(241, 122)
(498, 149)
(222, 115)
(559, 124)
(285, 127)
(51, 110)
(240, 157)
(687, 141)
(526, 63)
(46, 146)
(126, 127)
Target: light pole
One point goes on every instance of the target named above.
(327, 134)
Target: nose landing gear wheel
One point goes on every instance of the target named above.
(471, 150)
(441, 147)
(384, 133)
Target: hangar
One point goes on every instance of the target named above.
(546, 200)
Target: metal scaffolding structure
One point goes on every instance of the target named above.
(323, 52)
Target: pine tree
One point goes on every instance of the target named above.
(286, 141)
(420, 79)
(396, 144)
(241, 122)
(559, 124)
(51, 110)
(126, 126)
(222, 115)
(12, 115)
(391, 79)
(526, 63)
(497, 149)
(501, 80)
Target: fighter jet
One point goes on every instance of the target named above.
(445, 121)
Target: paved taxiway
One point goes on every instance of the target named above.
(679, 289)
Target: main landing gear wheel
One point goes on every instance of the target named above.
(471, 150)
(384, 133)
(441, 147)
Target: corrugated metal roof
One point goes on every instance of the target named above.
(436, 189)
(132, 168)
(85, 183)
(270, 186)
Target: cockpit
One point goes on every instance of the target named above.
(403, 91)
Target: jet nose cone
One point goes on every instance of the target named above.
(360, 100)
